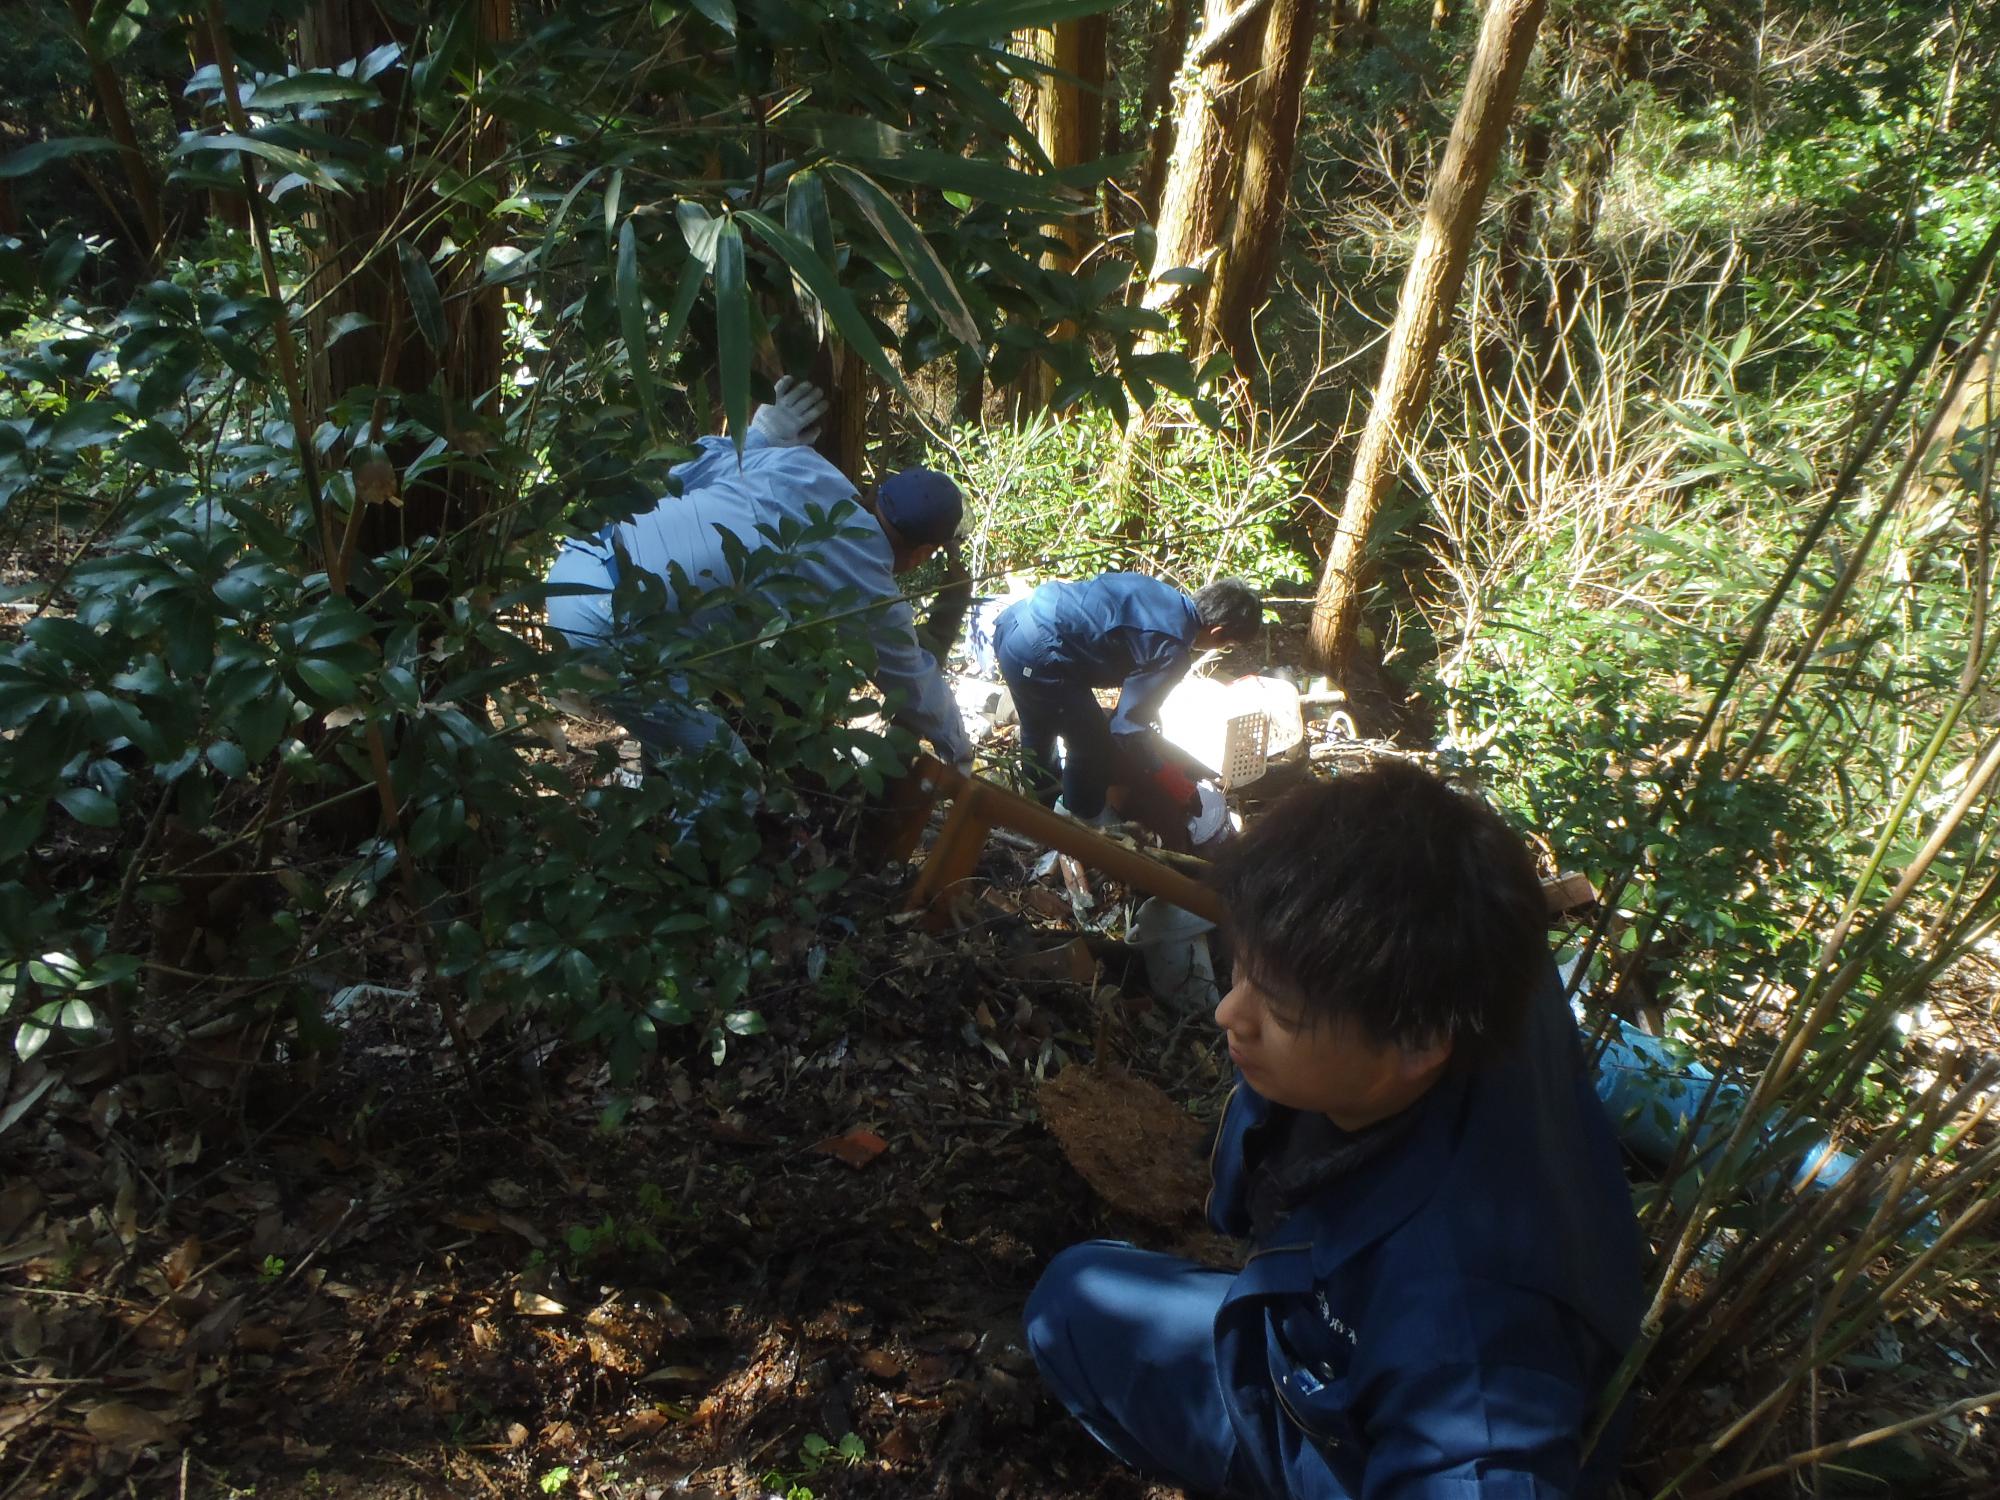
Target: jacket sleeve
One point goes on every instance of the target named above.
(1141, 695)
(904, 670)
(1508, 1427)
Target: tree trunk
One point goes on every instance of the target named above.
(1156, 104)
(357, 270)
(118, 120)
(1424, 313)
(1270, 144)
(1202, 175)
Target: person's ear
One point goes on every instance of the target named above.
(1422, 1062)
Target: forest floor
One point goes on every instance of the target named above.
(372, 1274)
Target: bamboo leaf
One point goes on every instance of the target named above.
(722, 12)
(31, 158)
(732, 330)
(632, 322)
(700, 229)
(994, 20)
(277, 156)
(425, 303)
(932, 280)
(311, 88)
(816, 274)
(987, 181)
(685, 297)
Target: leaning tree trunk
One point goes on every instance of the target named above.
(1424, 313)
(1270, 145)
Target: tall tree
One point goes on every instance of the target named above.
(1166, 50)
(1222, 207)
(1270, 135)
(1066, 110)
(1425, 310)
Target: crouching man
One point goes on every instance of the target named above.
(1444, 1263)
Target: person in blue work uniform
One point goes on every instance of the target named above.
(1121, 630)
(1444, 1267)
(775, 479)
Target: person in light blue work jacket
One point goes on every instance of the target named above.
(1444, 1266)
(774, 480)
(1121, 630)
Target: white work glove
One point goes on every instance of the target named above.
(792, 418)
(963, 764)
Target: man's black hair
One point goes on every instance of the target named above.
(1232, 604)
(1386, 896)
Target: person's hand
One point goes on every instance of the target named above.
(963, 763)
(792, 417)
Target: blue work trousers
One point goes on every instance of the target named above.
(1125, 1339)
(1049, 708)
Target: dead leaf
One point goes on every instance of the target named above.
(536, 1305)
(506, 1192)
(120, 1424)
(375, 482)
(20, 1201)
(900, 1446)
(880, 1363)
(857, 1148)
(1067, 963)
(182, 1262)
(642, 1423)
(930, 1372)
(259, 1338)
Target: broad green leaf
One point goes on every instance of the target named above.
(331, 685)
(310, 88)
(156, 448)
(932, 281)
(114, 26)
(277, 156)
(85, 425)
(425, 303)
(806, 213)
(732, 331)
(229, 759)
(33, 158)
(89, 806)
(816, 274)
(632, 323)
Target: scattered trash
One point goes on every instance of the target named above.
(1179, 969)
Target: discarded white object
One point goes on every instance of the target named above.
(1175, 945)
(1210, 824)
(1225, 734)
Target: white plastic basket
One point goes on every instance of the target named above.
(1211, 725)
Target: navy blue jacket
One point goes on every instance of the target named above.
(1121, 630)
(1440, 1322)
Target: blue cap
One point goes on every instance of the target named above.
(922, 504)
